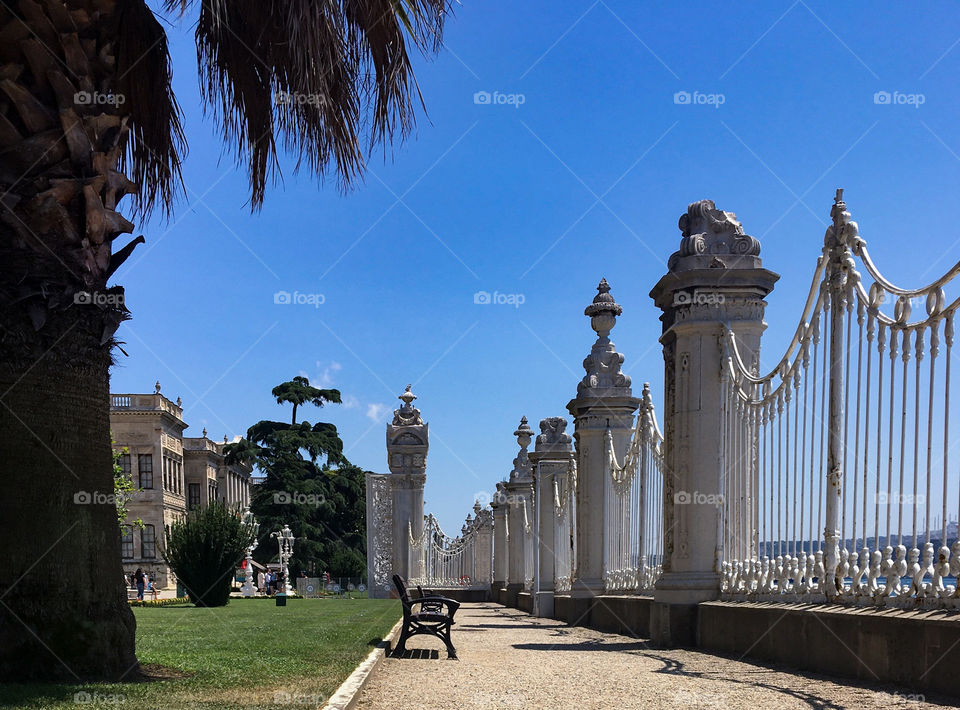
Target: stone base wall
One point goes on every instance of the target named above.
(627, 615)
(919, 650)
(525, 602)
(465, 595)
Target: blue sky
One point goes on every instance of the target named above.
(580, 173)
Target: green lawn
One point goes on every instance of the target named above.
(249, 654)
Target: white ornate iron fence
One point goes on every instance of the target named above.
(448, 562)
(837, 462)
(529, 541)
(633, 543)
(564, 508)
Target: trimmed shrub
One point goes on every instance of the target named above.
(204, 550)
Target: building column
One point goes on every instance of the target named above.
(500, 554)
(551, 458)
(407, 445)
(604, 401)
(715, 280)
(519, 490)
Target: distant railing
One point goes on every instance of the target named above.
(144, 403)
(633, 543)
(838, 483)
(447, 562)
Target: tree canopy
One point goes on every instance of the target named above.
(308, 485)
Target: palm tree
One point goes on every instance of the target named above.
(88, 116)
(299, 391)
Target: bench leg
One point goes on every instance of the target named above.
(447, 639)
(401, 646)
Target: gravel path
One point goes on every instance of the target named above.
(511, 660)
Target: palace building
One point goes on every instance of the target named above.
(172, 474)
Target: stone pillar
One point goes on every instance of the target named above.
(408, 439)
(483, 555)
(715, 279)
(550, 459)
(500, 554)
(519, 490)
(604, 399)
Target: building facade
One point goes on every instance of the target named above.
(171, 474)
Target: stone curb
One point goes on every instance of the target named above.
(348, 692)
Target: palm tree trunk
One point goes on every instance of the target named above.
(63, 608)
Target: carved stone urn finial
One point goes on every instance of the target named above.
(522, 468)
(157, 387)
(476, 506)
(407, 396)
(603, 311)
(179, 402)
(523, 433)
(204, 432)
(603, 363)
(407, 414)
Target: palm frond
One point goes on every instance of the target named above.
(155, 144)
(328, 80)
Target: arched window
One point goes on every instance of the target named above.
(148, 542)
(126, 542)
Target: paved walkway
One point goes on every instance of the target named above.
(511, 660)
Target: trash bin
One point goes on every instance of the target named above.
(281, 599)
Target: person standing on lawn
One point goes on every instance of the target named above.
(140, 581)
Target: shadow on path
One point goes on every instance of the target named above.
(417, 654)
(584, 646)
(672, 666)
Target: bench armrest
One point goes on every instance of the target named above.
(438, 600)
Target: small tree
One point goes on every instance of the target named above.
(123, 489)
(204, 550)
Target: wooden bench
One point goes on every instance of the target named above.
(433, 615)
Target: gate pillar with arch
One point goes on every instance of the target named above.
(714, 280)
(407, 444)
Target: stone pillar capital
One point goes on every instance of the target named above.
(553, 443)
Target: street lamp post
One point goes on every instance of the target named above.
(285, 540)
(249, 522)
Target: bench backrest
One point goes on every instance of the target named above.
(401, 584)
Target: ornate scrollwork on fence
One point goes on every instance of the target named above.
(633, 543)
(449, 562)
(379, 534)
(837, 462)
